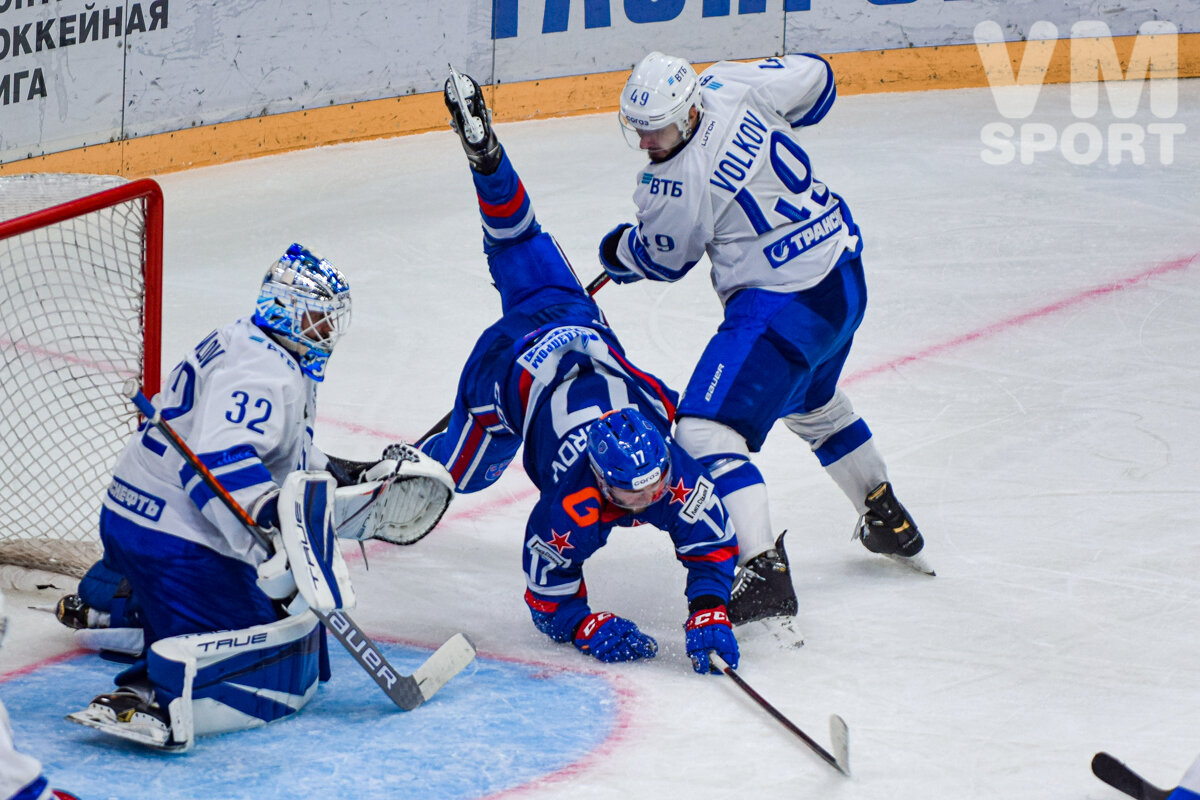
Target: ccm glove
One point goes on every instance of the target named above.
(608, 256)
(610, 638)
(708, 629)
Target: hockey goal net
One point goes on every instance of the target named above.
(80, 300)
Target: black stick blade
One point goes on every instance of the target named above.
(1122, 778)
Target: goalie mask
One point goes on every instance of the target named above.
(305, 302)
(656, 105)
(629, 457)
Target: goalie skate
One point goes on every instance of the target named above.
(126, 715)
(472, 121)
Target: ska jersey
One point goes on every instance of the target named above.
(742, 189)
(541, 386)
(571, 521)
(241, 403)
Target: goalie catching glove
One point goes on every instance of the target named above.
(399, 500)
(307, 569)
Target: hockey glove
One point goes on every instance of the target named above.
(265, 510)
(708, 629)
(609, 638)
(609, 259)
(276, 581)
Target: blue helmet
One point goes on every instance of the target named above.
(627, 451)
(305, 301)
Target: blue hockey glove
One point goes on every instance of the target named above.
(709, 629)
(610, 638)
(608, 256)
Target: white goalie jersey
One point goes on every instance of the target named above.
(241, 403)
(742, 188)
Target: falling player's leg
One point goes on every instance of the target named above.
(472, 121)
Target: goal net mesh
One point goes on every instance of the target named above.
(72, 308)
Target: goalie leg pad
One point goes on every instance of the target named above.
(235, 680)
(307, 533)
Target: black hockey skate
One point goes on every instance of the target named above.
(889, 530)
(472, 121)
(77, 615)
(763, 588)
(125, 714)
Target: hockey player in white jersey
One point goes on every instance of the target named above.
(728, 177)
(228, 642)
(21, 775)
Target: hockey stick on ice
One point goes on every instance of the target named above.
(1122, 778)
(406, 691)
(838, 731)
(441, 424)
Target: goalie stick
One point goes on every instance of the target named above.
(1122, 778)
(406, 691)
(838, 731)
(441, 424)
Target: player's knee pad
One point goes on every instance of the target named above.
(704, 437)
(721, 450)
(234, 680)
(832, 431)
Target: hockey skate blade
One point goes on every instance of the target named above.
(783, 631)
(124, 730)
(446, 662)
(839, 735)
(917, 563)
(463, 90)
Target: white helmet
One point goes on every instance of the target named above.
(305, 302)
(660, 92)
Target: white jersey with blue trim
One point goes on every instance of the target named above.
(241, 403)
(742, 188)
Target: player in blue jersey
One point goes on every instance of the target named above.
(550, 374)
(728, 177)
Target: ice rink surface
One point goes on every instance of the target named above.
(1029, 367)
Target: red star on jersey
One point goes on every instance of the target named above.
(561, 541)
(679, 493)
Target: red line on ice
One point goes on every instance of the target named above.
(1020, 319)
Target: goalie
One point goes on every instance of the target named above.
(228, 639)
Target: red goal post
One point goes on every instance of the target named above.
(80, 314)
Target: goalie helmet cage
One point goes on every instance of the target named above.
(80, 314)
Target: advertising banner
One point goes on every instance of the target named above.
(79, 73)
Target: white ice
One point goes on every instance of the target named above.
(1028, 365)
